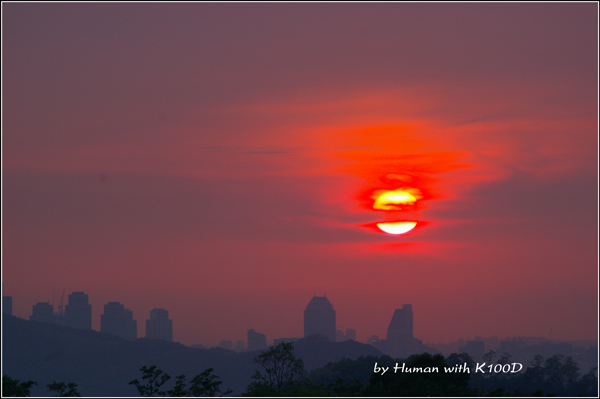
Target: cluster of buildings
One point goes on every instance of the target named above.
(319, 319)
(256, 341)
(523, 349)
(116, 320)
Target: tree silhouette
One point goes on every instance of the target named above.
(155, 378)
(434, 383)
(63, 389)
(588, 386)
(557, 376)
(11, 387)
(179, 388)
(571, 370)
(281, 371)
(341, 388)
(505, 358)
(488, 357)
(460, 359)
(204, 384)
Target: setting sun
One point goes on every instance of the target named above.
(397, 227)
(390, 200)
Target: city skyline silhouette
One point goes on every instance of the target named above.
(228, 162)
(399, 342)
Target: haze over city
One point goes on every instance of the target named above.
(228, 162)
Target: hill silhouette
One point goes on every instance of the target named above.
(102, 364)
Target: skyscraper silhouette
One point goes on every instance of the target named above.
(7, 305)
(351, 334)
(159, 326)
(319, 318)
(400, 340)
(78, 312)
(42, 312)
(118, 321)
(240, 346)
(256, 340)
(226, 344)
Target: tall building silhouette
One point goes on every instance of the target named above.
(319, 318)
(42, 312)
(78, 312)
(226, 344)
(240, 346)
(378, 343)
(159, 326)
(256, 340)
(7, 305)
(118, 321)
(400, 341)
(351, 334)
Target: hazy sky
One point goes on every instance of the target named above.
(220, 161)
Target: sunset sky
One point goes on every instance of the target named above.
(222, 161)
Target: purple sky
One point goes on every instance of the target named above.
(218, 160)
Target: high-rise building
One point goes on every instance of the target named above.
(118, 321)
(226, 344)
(7, 305)
(42, 312)
(351, 334)
(380, 344)
(400, 341)
(319, 318)
(159, 326)
(78, 312)
(256, 340)
(373, 339)
(240, 346)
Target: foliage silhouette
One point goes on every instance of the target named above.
(63, 389)
(204, 384)
(340, 388)
(557, 375)
(501, 392)
(179, 388)
(156, 379)
(282, 374)
(432, 383)
(489, 356)
(11, 387)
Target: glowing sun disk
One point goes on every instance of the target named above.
(397, 227)
(389, 200)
